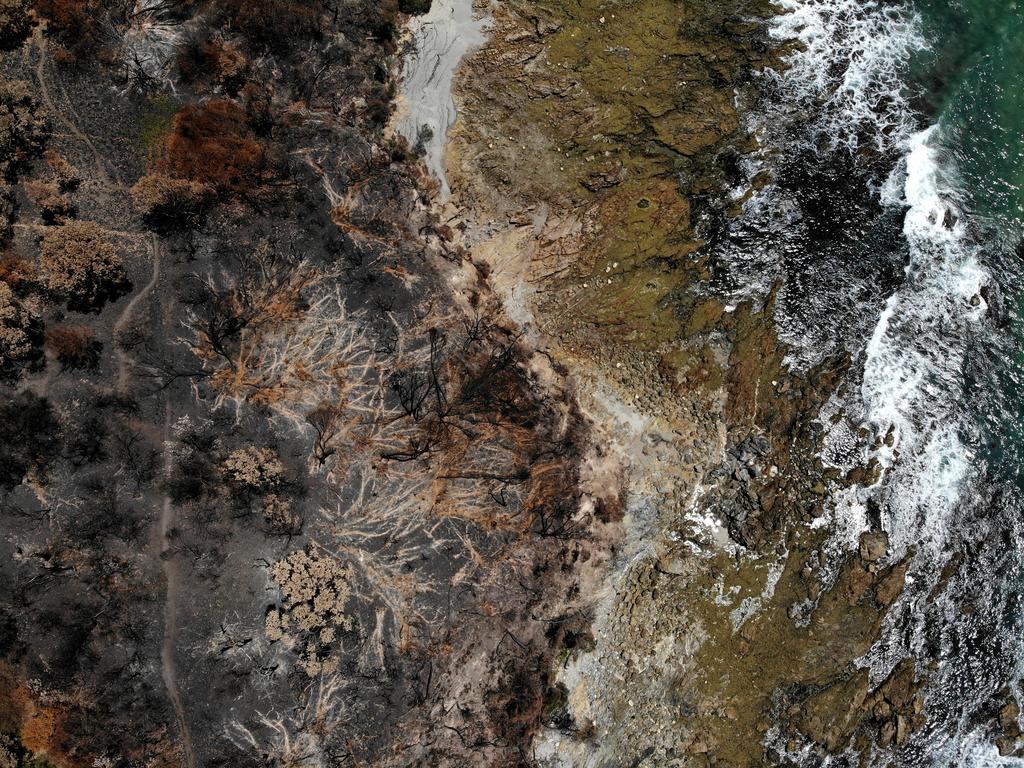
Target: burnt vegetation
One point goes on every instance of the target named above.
(242, 394)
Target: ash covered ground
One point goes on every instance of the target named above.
(282, 485)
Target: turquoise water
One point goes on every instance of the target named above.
(977, 60)
(978, 54)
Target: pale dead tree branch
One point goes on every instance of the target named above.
(295, 739)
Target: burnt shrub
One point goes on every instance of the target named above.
(86, 442)
(414, 7)
(78, 25)
(15, 24)
(28, 431)
(79, 264)
(274, 26)
(19, 332)
(104, 514)
(23, 127)
(193, 475)
(212, 61)
(167, 203)
(75, 346)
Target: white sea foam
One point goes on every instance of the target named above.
(848, 73)
(976, 751)
(844, 87)
(914, 361)
(848, 68)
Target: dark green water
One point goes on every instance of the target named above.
(977, 61)
(974, 92)
(976, 68)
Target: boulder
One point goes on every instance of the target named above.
(873, 546)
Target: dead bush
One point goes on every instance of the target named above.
(212, 144)
(75, 346)
(53, 205)
(516, 706)
(79, 265)
(166, 202)
(23, 127)
(78, 25)
(64, 173)
(16, 343)
(252, 468)
(315, 589)
(279, 517)
(274, 26)
(213, 61)
(16, 272)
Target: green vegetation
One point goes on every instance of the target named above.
(155, 122)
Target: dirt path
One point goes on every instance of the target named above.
(51, 105)
(124, 361)
(167, 513)
(172, 574)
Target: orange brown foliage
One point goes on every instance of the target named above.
(16, 271)
(39, 726)
(213, 144)
(75, 346)
(53, 205)
(77, 24)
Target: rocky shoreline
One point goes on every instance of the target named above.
(327, 440)
(591, 166)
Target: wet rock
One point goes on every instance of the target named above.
(1008, 718)
(873, 546)
(1006, 746)
(890, 586)
(887, 734)
(902, 730)
(856, 584)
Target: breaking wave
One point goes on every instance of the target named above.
(849, 68)
(915, 360)
(851, 62)
(845, 93)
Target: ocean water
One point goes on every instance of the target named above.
(895, 228)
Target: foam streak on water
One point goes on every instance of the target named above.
(914, 362)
